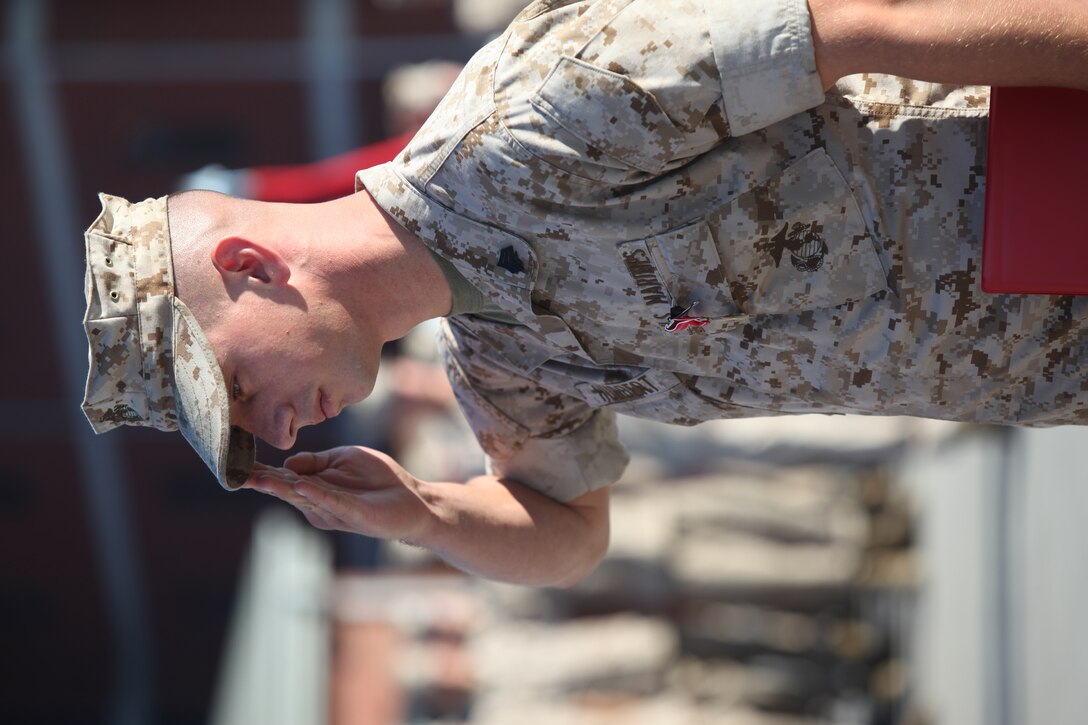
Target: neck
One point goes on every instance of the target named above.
(381, 271)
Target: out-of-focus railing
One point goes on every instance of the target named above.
(276, 663)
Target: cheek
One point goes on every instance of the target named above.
(274, 338)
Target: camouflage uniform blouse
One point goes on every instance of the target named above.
(604, 165)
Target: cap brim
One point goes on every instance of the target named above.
(203, 404)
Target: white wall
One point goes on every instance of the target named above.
(1001, 635)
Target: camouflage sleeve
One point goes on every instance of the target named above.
(551, 442)
(766, 58)
(655, 83)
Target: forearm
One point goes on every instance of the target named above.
(989, 42)
(509, 532)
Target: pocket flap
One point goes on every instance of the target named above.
(525, 348)
(611, 112)
(798, 242)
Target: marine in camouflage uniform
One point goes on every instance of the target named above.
(604, 167)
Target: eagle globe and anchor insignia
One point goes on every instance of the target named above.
(803, 241)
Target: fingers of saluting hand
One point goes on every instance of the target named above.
(277, 482)
(306, 462)
(325, 498)
(262, 470)
(324, 507)
(290, 487)
(312, 461)
(319, 518)
(274, 485)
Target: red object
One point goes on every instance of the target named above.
(680, 320)
(1036, 235)
(329, 179)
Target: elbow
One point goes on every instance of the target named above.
(579, 574)
(590, 556)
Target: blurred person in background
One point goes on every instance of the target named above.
(680, 212)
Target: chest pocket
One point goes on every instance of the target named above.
(681, 267)
(797, 242)
(611, 113)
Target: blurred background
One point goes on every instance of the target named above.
(782, 572)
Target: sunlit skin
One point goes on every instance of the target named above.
(309, 382)
(285, 368)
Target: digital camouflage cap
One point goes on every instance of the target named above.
(150, 363)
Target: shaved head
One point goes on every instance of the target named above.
(197, 220)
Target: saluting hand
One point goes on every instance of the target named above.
(351, 488)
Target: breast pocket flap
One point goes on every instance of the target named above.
(610, 112)
(798, 242)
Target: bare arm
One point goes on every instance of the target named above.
(988, 42)
(490, 527)
(506, 531)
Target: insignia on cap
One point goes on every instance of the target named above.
(121, 413)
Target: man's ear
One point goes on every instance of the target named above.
(238, 258)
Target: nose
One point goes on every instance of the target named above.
(281, 427)
(274, 426)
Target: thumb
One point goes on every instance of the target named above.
(308, 462)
